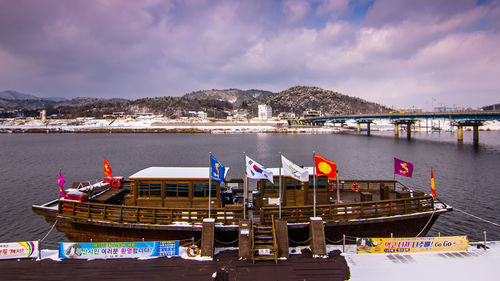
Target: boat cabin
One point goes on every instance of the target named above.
(297, 193)
(173, 187)
(294, 192)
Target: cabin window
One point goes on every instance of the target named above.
(293, 184)
(270, 188)
(150, 190)
(201, 190)
(321, 182)
(177, 190)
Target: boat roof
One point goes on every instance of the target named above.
(276, 171)
(173, 173)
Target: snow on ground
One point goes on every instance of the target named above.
(475, 264)
(252, 126)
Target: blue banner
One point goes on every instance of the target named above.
(117, 250)
(218, 170)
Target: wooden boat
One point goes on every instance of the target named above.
(170, 203)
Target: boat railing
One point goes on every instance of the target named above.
(147, 215)
(350, 211)
(368, 185)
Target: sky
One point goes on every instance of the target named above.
(398, 53)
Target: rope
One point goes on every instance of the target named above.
(226, 243)
(49, 231)
(333, 242)
(433, 211)
(299, 242)
(485, 220)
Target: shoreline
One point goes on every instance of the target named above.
(168, 130)
(202, 127)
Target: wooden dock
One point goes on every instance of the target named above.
(297, 267)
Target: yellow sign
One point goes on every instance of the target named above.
(412, 245)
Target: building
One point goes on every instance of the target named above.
(43, 115)
(311, 113)
(265, 112)
(287, 115)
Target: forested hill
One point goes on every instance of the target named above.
(218, 103)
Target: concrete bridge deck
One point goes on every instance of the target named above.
(459, 119)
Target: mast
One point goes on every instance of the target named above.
(314, 181)
(209, 182)
(245, 188)
(281, 165)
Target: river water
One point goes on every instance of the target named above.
(467, 177)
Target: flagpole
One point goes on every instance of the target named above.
(281, 165)
(314, 182)
(245, 188)
(209, 182)
(338, 187)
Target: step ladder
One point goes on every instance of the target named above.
(264, 244)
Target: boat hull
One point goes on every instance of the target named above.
(81, 230)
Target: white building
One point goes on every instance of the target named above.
(265, 112)
(43, 115)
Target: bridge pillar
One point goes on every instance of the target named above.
(408, 130)
(475, 130)
(396, 130)
(460, 134)
(368, 128)
(359, 128)
(475, 133)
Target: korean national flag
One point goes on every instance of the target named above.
(257, 171)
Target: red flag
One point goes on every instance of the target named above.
(433, 184)
(107, 168)
(325, 167)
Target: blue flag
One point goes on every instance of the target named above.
(218, 170)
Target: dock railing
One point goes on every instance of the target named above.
(146, 215)
(349, 211)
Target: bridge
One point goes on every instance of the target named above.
(460, 119)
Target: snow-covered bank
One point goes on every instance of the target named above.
(154, 126)
(212, 127)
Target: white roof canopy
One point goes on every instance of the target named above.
(173, 173)
(276, 171)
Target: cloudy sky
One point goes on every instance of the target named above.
(398, 53)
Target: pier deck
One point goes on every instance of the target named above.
(298, 267)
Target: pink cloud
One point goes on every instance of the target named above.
(295, 10)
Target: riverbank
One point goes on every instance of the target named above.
(90, 125)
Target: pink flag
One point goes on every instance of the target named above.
(60, 181)
(403, 168)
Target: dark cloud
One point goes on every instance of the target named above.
(128, 48)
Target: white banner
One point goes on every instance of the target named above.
(19, 250)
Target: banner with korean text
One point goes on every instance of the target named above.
(19, 250)
(118, 250)
(412, 245)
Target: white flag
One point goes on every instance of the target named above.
(257, 171)
(293, 170)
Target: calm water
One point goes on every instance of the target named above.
(466, 177)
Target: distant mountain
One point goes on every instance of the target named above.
(14, 95)
(233, 96)
(301, 98)
(493, 107)
(216, 103)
